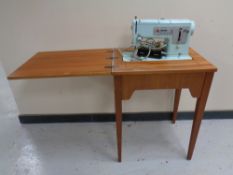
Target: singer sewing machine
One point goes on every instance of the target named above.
(162, 39)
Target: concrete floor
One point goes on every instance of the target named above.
(90, 148)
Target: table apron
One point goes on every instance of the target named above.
(192, 81)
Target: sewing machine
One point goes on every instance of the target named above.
(162, 39)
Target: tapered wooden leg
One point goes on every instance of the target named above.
(200, 107)
(176, 105)
(118, 114)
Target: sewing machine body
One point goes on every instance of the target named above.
(163, 39)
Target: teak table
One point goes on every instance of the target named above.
(195, 75)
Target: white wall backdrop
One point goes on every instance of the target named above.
(29, 26)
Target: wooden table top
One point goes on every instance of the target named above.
(197, 64)
(65, 64)
(97, 62)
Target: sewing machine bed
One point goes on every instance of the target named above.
(128, 57)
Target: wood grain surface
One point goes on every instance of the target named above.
(98, 62)
(197, 64)
(191, 81)
(66, 64)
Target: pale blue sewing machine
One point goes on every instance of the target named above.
(162, 39)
